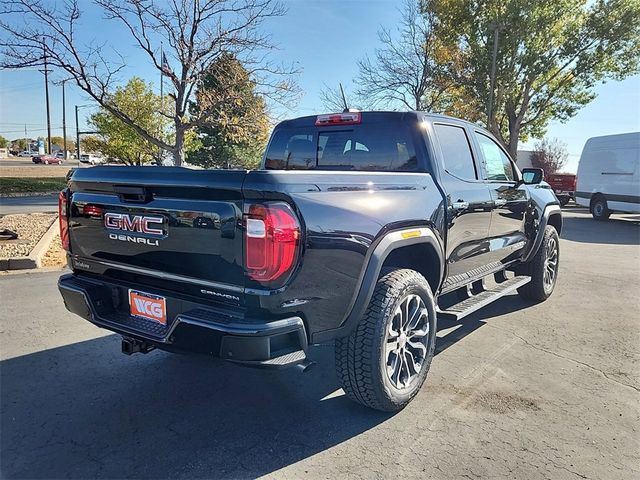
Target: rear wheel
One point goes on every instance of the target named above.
(542, 268)
(599, 208)
(385, 360)
(46, 162)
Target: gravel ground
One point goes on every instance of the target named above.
(29, 227)
(55, 256)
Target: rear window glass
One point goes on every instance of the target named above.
(376, 147)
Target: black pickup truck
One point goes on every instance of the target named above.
(360, 228)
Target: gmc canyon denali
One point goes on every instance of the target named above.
(360, 228)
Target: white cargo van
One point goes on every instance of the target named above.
(609, 175)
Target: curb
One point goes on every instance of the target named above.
(34, 260)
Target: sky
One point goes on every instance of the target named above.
(324, 38)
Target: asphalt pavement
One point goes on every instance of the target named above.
(34, 204)
(518, 390)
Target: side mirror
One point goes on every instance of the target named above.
(532, 176)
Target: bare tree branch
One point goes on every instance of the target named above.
(197, 32)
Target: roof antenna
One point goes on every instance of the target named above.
(344, 99)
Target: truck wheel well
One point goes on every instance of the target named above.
(421, 257)
(555, 221)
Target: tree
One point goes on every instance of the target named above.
(59, 141)
(3, 142)
(549, 155)
(195, 32)
(21, 144)
(121, 141)
(237, 123)
(550, 56)
(91, 144)
(411, 68)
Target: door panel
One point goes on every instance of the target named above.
(469, 208)
(510, 201)
(468, 200)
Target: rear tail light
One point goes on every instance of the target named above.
(63, 219)
(272, 236)
(92, 211)
(346, 118)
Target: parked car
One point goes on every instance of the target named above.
(609, 175)
(47, 160)
(92, 159)
(563, 185)
(26, 153)
(359, 229)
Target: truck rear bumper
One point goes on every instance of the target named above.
(194, 328)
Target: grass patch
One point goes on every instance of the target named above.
(10, 185)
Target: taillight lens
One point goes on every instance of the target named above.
(272, 236)
(63, 219)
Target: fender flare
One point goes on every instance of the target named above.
(374, 261)
(549, 210)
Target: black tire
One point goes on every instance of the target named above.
(599, 208)
(361, 358)
(564, 200)
(539, 289)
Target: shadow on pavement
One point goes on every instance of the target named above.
(618, 230)
(86, 411)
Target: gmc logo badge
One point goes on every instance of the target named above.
(134, 223)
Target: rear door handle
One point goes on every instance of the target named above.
(460, 205)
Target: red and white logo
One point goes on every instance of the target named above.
(149, 225)
(146, 306)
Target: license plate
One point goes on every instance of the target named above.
(146, 305)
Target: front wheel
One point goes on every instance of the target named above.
(543, 268)
(385, 360)
(46, 162)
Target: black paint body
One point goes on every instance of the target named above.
(344, 216)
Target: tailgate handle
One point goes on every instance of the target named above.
(132, 194)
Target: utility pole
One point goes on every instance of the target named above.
(493, 73)
(159, 162)
(77, 135)
(27, 145)
(46, 92)
(64, 122)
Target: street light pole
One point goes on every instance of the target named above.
(64, 122)
(77, 135)
(46, 92)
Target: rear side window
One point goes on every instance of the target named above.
(456, 151)
(374, 147)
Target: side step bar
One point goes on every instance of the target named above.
(482, 299)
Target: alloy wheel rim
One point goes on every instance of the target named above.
(406, 342)
(550, 264)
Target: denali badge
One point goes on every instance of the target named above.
(149, 227)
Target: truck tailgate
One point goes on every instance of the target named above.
(170, 220)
